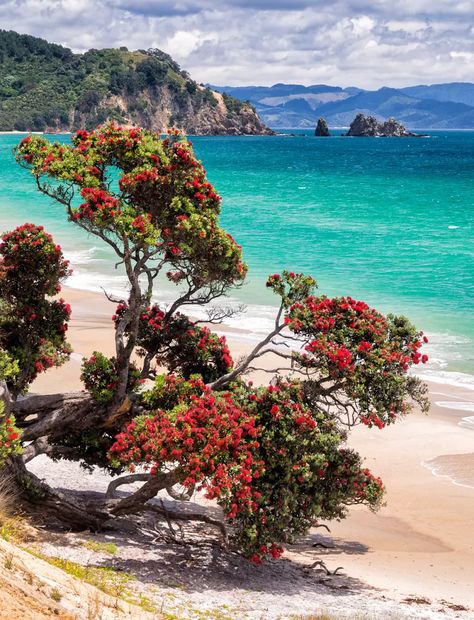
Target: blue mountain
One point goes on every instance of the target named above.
(438, 106)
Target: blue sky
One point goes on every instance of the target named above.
(366, 43)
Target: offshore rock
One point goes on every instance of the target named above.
(368, 126)
(322, 129)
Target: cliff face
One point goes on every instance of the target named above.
(202, 113)
(46, 87)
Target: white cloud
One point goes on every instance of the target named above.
(362, 25)
(367, 43)
(410, 26)
(183, 42)
(467, 56)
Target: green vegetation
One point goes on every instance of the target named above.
(105, 578)
(235, 105)
(8, 529)
(56, 595)
(100, 547)
(44, 86)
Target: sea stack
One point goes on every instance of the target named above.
(368, 126)
(322, 129)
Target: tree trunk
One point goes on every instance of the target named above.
(45, 420)
(49, 505)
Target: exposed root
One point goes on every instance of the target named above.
(36, 496)
(322, 566)
(137, 502)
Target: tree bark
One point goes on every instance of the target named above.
(56, 415)
(118, 482)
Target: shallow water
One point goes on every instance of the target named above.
(458, 468)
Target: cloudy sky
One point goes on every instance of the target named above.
(366, 43)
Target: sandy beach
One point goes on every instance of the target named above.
(421, 542)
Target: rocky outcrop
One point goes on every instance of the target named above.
(203, 112)
(322, 129)
(369, 126)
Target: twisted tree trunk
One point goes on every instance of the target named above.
(45, 420)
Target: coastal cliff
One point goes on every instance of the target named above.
(46, 87)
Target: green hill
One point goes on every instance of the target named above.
(46, 87)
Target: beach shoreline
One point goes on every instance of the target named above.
(420, 542)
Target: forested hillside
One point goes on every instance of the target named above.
(44, 86)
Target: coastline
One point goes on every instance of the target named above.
(420, 542)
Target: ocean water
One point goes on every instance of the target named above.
(389, 221)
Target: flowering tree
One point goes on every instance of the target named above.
(274, 458)
(32, 327)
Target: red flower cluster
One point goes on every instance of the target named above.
(99, 207)
(100, 377)
(368, 485)
(10, 438)
(202, 190)
(141, 223)
(23, 247)
(351, 335)
(372, 419)
(159, 182)
(365, 354)
(337, 355)
(179, 345)
(268, 460)
(132, 181)
(213, 441)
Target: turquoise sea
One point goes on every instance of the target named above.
(389, 221)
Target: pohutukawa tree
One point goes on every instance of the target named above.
(171, 402)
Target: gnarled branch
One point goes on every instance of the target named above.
(136, 501)
(130, 479)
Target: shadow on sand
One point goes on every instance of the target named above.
(191, 557)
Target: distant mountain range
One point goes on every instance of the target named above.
(439, 106)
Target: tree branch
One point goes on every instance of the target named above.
(136, 501)
(240, 368)
(38, 406)
(130, 479)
